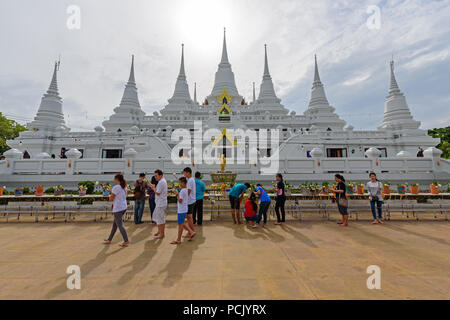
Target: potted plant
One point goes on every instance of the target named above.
(18, 191)
(326, 187)
(414, 187)
(350, 188)
(39, 190)
(287, 189)
(401, 188)
(58, 190)
(106, 189)
(387, 187)
(360, 188)
(434, 187)
(82, 190)
(1, 191)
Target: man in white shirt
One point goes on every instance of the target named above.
(159, 215)
(187, 172)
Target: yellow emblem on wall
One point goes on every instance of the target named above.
(225, 99)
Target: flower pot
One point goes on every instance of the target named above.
(58, 192)
(39, 191)
(106, 192)
(434, 189)
(350, 190)
(401, 189)
(415, 189)
(18, 192)
(360, 189)
(386, 189)
(81, 193)
(1, 192)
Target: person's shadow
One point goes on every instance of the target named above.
(85, 269)
(181, 259)
(141, 261)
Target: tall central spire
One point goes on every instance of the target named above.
(224, 60)
(224, 78)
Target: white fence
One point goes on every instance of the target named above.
(68, 171)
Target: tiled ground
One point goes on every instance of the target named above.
(309, 260)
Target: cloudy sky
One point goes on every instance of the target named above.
(353, 58)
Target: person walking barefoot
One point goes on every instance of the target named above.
(182, 204)
(119, 200)
(159, 215)
(280, 200)
(376, 198)
(341, 199)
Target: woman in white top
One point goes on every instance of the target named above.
(119, 200)
(376, 198)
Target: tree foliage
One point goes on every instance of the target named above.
(444, 135)
(9, 129)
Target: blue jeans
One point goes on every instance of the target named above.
(263, 207)
(139, 205)
(379, 208)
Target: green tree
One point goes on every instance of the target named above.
(444, 135)
(9, 129)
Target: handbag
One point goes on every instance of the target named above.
(343, 202)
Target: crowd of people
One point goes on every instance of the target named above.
(190, 193)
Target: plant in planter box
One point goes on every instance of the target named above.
(58, 190)
(88, 185)
(39, 190)
(326, 187)
(414, 188)
(387, 187)
(106, 189)
(82, 190)
(434, 187)
(18, 191)
(360, 188)
(401, 188)
(350, 189)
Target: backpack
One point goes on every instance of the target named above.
(139, 191)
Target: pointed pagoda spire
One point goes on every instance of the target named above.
(131, 79)
(267, 91)
(50, 115)
(254, 92)
(397, 115)
(182, 73)
(393, 88)
(53, 88)
(181, 93)
(129, 113)
(224, 78)
(195, 92)
(266, 64)
(224, 60)
(318, 96)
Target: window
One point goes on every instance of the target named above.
(337, 152)
(383, 152)
(112, 153)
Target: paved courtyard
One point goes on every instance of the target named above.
(309, 260)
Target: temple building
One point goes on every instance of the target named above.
(130, 129)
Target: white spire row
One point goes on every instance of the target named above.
(397, 115)
(50, 115)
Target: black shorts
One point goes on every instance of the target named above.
(234, 202)
(191, 208)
